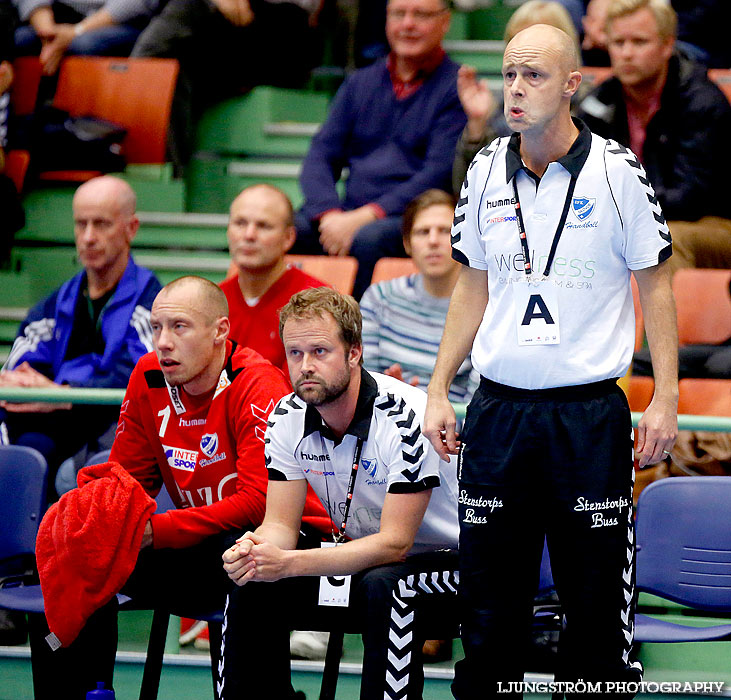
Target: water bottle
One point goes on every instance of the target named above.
(101, 693)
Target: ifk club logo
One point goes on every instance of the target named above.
(583, 207)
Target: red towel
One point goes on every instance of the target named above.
(87, 546)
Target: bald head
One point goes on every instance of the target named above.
(111, 189)
(199, 294)
(550, 42)
(265, 195)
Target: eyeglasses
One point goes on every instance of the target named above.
(418, 15)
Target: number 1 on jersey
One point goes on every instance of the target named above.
(165, 413)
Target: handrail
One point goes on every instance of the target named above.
(114, 397)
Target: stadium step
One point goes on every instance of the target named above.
(264, 122)
(213, 182)
(484, 55)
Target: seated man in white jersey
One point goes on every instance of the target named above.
(550, 223)
(403, 318)
(356, 438)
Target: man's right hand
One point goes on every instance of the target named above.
(238, 12)
(238, 562)
(477, 101)
(440, 426)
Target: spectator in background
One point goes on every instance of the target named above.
(260, 232)
(13, 216)
(403, 318)
(594, 41)
(485, 119)
(90, 332)
(662, 106)
(394, 126)
(79, 27)
(703, 31)
(224, 47)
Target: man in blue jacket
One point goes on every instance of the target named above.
(89, 333)
(394, 126)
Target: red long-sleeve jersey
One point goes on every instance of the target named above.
(208, 450)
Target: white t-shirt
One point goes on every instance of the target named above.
(395, 458)
(613, 225)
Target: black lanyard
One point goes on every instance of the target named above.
(351, 489)
(556, 236)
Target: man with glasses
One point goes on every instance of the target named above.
(394, 126)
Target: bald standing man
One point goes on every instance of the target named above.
(550, 223)
(193, 419)
(88, 333)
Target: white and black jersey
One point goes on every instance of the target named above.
(396, 458)
(613, 224)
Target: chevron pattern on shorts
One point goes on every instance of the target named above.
(401, 634)
(628, 579)
(412, 440)
(219, 677)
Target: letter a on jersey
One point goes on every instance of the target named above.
(536, 314)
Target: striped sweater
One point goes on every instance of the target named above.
(403, 323)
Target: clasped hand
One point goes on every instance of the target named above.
(252, 558)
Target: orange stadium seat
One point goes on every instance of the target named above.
(388, 268)
(136, 93)
(703, 304)
(339, 272)
(27, 70)
(16, 166)
(705, 397)
(639, 393)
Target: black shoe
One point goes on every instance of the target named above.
(13, 628)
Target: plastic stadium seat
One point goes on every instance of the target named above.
(722, 78)
(23, 480)
(640, 392)
(23, 94)
(388, 268)
(684, 554)
(336, 271)
(134, 92)
(16, 166)
(705, 397)
(703, 304)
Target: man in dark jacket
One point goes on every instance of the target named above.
(394, 126)
(664, 108)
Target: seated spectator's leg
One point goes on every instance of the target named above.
(380, 239)
(308, 236)
(106, 41)
(389, 601)
(27, 42)
(168, 33)
(702, 243)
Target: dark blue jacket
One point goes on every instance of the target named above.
(44, 335)
(394, 149)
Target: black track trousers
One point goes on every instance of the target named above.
(554, 463)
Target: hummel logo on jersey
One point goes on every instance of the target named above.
(583, 207)
(499, 202)
(314, 458)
